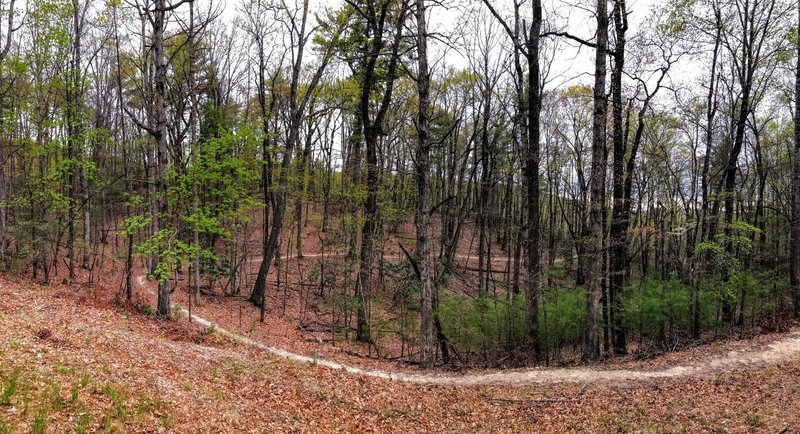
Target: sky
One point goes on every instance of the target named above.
(571, 64)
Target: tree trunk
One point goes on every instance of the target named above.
(618, 240)
(533, 283)
(4, 262)
(598, 182)
(423, 218)
(259, 287)
(160, 81)
(372, 128)
(795, 224)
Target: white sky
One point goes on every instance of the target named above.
(450, 17)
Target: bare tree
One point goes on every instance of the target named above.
(300, 35)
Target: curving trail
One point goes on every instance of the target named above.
(783, 350)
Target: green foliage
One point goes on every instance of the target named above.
(482, 325)
(343, 302)
(403, 285)
(171, 251)
(215, 266)
(214, 194)
(394, 215)
(654, 307)
(132, 225)
(678, 15)
(724, 259)
(562, 316)
(148, 310)
(325, 276)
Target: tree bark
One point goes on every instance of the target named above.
(372, 129)
(795, 223)
(618, 241)
(533, 272)
(162, 151)
(423, 218)
(598, 181)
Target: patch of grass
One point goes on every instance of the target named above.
(149, 405)
(5, 428)
(10, 387)
(40, 421)
(63, 370)
(79, 385)
(238, 367)
(753, 420)
(53, 395)
(177, 312)
(613, 423)
(145, 405)
(656, 427)
(166, 422)
(83, 422)
(118, 411)
(218, 395)
(211, 330)
(118, 401)
(148, 310)
(26, 398)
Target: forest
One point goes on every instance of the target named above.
(437, 184)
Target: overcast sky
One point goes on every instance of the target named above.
(454, 17)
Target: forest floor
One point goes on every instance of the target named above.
(73, 360)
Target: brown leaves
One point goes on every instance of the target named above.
(145, 375)
(43, 334)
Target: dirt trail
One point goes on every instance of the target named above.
(785, 349)
(501, 259)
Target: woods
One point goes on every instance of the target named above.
(460, 184)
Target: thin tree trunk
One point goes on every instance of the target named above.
(423, 218)
(795, 223)
(160, 81)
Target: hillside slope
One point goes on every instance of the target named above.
(71, 361)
